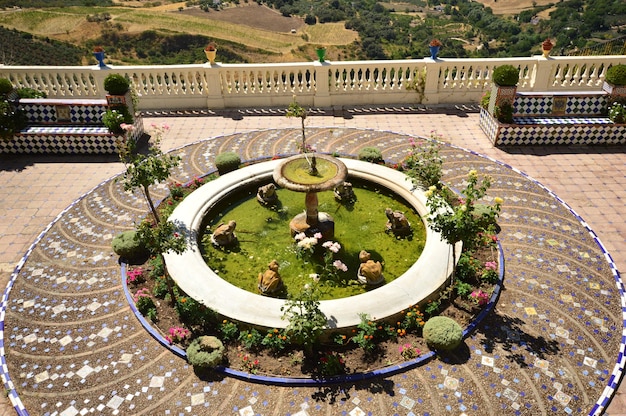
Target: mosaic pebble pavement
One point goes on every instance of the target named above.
(553, 344)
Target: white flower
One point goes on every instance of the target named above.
(307, 286)
(318, 236)
(315, 277)
(340, 266)
(299, 236)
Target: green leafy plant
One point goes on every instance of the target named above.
(116, 84)
(12, 120)
(504, 112)
(5, 86)
(276, 340)
(463, 289)
(408, 352)
(306, 319)
(296, 110)
(490, 272)
(484, 100)
(442, 333)
(423, 164)
(205, 352)
(458, 223)
(432, 307)
(160, 289)
(27, 92)
(192, 312)
(616, 75)
(371, 154)
(227, 162)
(116, 119)
(250, 339)
(505, 76)
(413, 319)
(145, 304)
(617, 113)
(418, 84)
(364, 337)
(331, 364)
(252, 366)
(467, 267)
(143, 170)
(229, 330)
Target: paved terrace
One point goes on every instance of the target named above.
(550, 347)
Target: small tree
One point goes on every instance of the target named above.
(143, 170)
(296, 110)
(306, 320)
(158, 238)
(424, 164)
(461, 222)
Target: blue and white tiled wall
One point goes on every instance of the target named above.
(526, 105)
(83, 113)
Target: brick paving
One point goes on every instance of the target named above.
(590, 180)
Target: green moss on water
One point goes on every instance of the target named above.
(263, 235)
(298, 171)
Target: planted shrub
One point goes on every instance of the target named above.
(371, 154)
(116, 84)
(30, 93)
(506, 76)
(442, 333)
(5, 86)
(128, 247)
(227, 162)
(113, 119)
(616, 75)
(205, 352)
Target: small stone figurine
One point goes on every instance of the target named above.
(266, 195)
(270, 281)
(370, 271)
(224, 234)
(397, 222)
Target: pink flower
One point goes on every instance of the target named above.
(127, 127)
(332, 246)
(340, 266)
(318, 236)
(480, 297)
(491, 265)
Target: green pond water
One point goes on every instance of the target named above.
(263, 235)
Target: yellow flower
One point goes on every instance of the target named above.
(498, 200)
(473, 172)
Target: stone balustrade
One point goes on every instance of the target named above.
(315, 84)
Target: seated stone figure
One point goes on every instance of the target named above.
(266, 195)
(344, 193)
(224, 234)
(370, 271)
(270, 281)
(397, 222)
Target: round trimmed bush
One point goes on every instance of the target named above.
(127, 246)
(371, 154)
(442, 333)
(5, 86)
(505, 76)
(205, 352)
(616, 75)
(227, 162)
(116, 84)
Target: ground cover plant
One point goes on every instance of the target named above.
(305, 347)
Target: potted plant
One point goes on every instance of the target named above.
(505, 79)
(615, 80)
(546, 47)
(321, 53)
(116, 84)
(211, 51)
(98, 53)
(434, 46)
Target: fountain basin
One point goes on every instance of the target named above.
(421, 281)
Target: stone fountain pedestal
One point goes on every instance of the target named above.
(311, 173)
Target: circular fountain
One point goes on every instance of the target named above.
(422, 280)
(311, 173)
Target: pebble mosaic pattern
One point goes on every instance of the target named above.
(71, 346)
